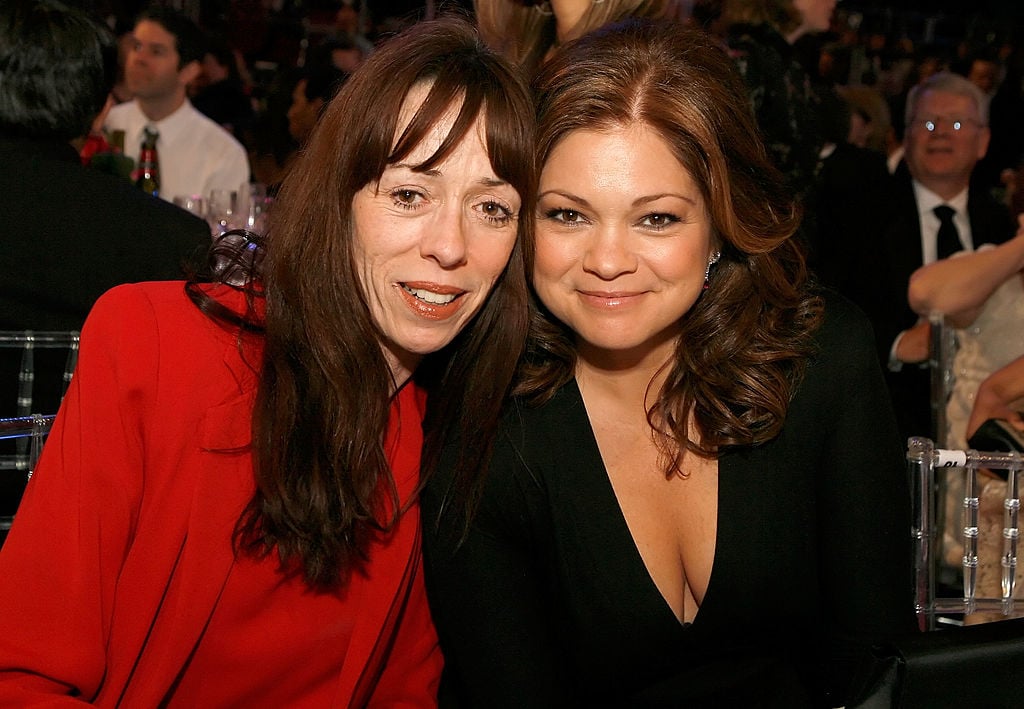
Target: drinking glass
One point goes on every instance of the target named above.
(222, 210)
(194, 203)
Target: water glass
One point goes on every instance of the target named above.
(222, 210)
(194, 203)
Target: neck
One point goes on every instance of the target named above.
(946, 189)
(626, 375)
(401, 367)
(157, 109)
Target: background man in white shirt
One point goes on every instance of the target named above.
(195, 154)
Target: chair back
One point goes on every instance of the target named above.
(32, 430)
(922, 459)
(941, 351)
(977, 666)
(24, 346)
(35, 371)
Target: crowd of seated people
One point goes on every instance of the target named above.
(898, 159)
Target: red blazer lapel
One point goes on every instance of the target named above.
(379, 615)
(383, 588)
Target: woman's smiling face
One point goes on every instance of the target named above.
(430, 244)
(623, 240)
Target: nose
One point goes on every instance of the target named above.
(608, 255)
(445, 240)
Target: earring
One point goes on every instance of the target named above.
(712, 260)
(544, 8)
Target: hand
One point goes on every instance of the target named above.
(989, 406)
(914, 343)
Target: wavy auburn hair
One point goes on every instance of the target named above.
(743, 345)
(324, 487)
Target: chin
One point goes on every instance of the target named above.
(422, 346)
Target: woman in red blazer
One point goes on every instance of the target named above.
(225, 513)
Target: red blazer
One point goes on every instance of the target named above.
(123, 540)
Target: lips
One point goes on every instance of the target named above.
(609, 299)
(432, 301)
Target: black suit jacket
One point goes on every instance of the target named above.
(70, 233)
(885, 266)
(67, 235)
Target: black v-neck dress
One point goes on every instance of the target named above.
(548, 603)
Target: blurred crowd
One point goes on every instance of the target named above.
(268, 67)
(270, 63)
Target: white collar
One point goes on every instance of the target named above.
(928, 200)
(174, 125)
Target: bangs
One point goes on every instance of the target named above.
(440, 98)
(507, 117)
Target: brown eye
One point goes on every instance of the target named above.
(569, 216)
(406, 198)
(659, 220)
(495, 212)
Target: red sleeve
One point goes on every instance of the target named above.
(59, 566)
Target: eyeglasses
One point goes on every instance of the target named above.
(956, 124)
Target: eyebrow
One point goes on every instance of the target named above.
(655, 197)
(151, 43)
(567, 195)
(434, 172)
(646, 199)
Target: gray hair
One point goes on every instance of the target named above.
(948, 83)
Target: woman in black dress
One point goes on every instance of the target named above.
(697, 497)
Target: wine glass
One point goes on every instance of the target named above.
(221, 210)
(193, 203)
(254, 211)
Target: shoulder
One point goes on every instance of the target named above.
(123, 114)
(531, 440)
(902, 186)
(133, 305)
(844, 350)
(151, 237)
(137, 212)
(991, 221)
(563, 418)
(157, 341)
(844, 324)
(212, 133)
(158, 311)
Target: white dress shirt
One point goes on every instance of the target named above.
(195, 154)
(927, 201)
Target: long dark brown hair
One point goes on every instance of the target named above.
(743, 345)
(324, 392)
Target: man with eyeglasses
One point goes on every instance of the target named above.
(935, 213)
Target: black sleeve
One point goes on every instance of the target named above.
(864, 501)
(491, 592)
